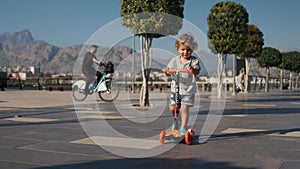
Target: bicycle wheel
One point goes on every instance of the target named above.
(78, 94)
(111, 94)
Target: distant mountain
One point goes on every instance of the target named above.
(21, 49)
(287, 49)
(23, 36)
(63, 60)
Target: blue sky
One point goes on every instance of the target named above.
(66, 22)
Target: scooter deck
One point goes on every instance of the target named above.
(175, 135)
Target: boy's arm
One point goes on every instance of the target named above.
(169, 71)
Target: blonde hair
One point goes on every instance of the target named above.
(188, 40)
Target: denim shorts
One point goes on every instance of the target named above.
(185, 99)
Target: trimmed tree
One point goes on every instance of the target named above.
(151, 19)
(253, 48)
(270, 57)
(286, 64)
(295, 67)
(227, 25)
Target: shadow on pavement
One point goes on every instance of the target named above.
(254, 133)
(268, 100)
(148, 163)
(255, 111)
(37, 111)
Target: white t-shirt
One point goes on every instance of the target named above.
(187, 81)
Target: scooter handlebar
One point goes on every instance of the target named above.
(171, 70)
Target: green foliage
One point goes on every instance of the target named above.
(270, 57)
(227, 26)
(153, 18)
(291, 61)
(296, 65)
(286, 62)
(254, 43)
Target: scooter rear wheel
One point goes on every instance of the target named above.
(188, 138)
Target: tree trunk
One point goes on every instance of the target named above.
(281, 80)
(297, 81)
(221, 73)
(291, 80)
(247, 82)
(267, 80)
(133, 65)
(234, 74)
(144, 95)
(145, 45)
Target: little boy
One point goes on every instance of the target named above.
(189, 67)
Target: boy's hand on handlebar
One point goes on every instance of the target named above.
(166, 71)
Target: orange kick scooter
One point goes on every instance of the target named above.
(175, 134)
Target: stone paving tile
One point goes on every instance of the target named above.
(18, 164)
(133, 143)
(30, 120)
(65, 148)
(42, 158)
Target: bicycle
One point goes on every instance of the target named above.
(106, 87)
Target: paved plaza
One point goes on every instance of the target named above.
(43, 130)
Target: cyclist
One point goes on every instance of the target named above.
(87, 66)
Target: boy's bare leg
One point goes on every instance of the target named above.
(172, 110)
(184, 115)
